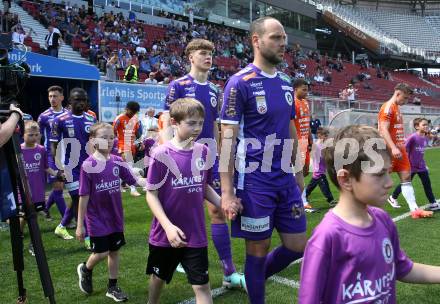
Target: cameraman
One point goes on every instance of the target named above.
(8, 127)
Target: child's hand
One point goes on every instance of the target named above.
(236, 208)
(80, 233)
(176, 237)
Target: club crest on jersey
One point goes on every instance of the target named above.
(200, 163)
(71, 132)
(87, 128)
(297, 211)
(37, 156)
(213, 101)
(289, 98)
(261, 104)
(387, 251)
(116, 171)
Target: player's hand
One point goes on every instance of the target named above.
(80, 233)
(230, 206)
(237, 208)
(176, 237)
(396, 153)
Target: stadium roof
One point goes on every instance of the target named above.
(418, 5)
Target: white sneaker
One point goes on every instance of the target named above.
(434, 206)
(393, 202)
(135, 193)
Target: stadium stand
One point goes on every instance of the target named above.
(159, 49)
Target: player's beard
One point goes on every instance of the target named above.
(270, 56)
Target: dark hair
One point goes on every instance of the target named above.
(78, 94)
(198, 44)
(322, 131)
(360, 133)
(418, 120)
(299, 82)
(186, 107)
(133, 106)
(405, 88)
(55, 88)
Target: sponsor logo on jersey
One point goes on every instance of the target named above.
(261, 104)
(259, 93)
(232, 100)
(255, 224)
(71, 132)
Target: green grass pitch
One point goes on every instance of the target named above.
(419, 238)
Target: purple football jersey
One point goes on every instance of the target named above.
(74, 131)
(45, 121)
(35, 165)
(348, 264)
(319, 166)
(182, 197)
(415, 147)
(263, 106)
(101, 181)
(207, 93)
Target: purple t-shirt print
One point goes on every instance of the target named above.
(207, 93)
(101, 181)
(263, 106)
(348, 264)
(415, 147)
(35, 165)
(181, 191)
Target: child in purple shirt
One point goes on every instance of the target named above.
(100, 205)
(178, 182)
(354, 254)
(319, 168)
(35, 164)
(415, 145)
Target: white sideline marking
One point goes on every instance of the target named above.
(285, 281)
(282, 280)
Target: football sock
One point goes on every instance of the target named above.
(280, 258)
(254, 271)
(408, 194)
(222, 243)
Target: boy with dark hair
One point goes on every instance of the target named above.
(302, 125)
(45, 121)
(127, 128)
(178, 182)
(354, 254)
(391, 128)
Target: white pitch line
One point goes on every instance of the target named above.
(285, 281)
(282, 280)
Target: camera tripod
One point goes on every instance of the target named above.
(12, 158)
